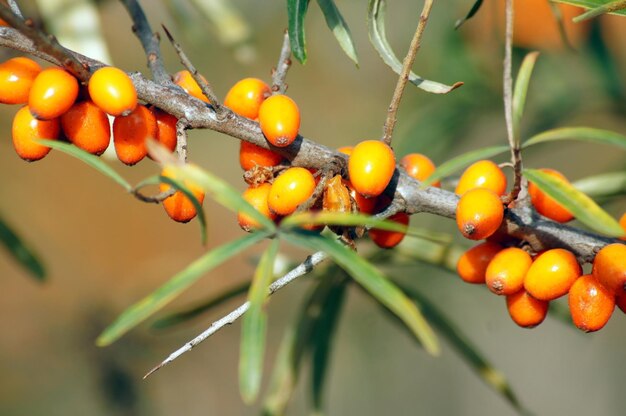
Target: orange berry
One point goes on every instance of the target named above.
(419, 167)
(389, 239)
(620, 301)
(16, 78)
(371, 166)
(257, 197)
(290, 189)
(609, 267)
(479, 213)
(363, 204)
(178, 206)
(113, 91)
(525, 310)
(26, 128)
(346, 150)
(130, 133)
(87, 127)
(279, 118)
(622, 222)
(482, 174)
(505, 274)
(246, 96)
(546, 205)
(52, 93)
(552, 274)
(185, 80)
(472, 264)
(590, 303)
(251, 155)
(166, 128)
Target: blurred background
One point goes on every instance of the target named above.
(103, 250)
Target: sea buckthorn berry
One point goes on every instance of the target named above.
(479, 213)
(546, 205)
(130, 133)
(346, 150)
(290, 189)
(16, 78)
(525, 310)
(279, 118)
(552, 274)
(166, 128)
(620, 301)
(419, 167)
(52, 93)
(336, 196)
(251, 155)
(590, 303)
(482, 174)
(178, 206)
(389, 239)
(257, 197)
(246, 96)
(622, 222)
(26, 128)
(87, 127)
(609, 267)
(113, 91)
(185, 80)
(505, 274)
(371, 166)
(472, 264)
(363, 204)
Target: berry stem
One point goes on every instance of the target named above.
(280, 72)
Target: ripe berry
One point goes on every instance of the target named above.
(279, 118)
(620, 301)
(113, 91)
(418, 167)
(371, 166)
(257, 197)
(590, 303)
(552, 274)
(482, 174)
(185, 80)
(389, 239)
(16, 78)
(87, 127)
(472, 264)
(525, 310)
(622, 222)
(251, 155)
(546, 205)
(346, 150)
(479, 213)
(290, 189)
(246, 96)
(505, 274)
(166, 128)
(178, 206)
(52, 93)
(609, 267)
(130, 133)
(26, 128)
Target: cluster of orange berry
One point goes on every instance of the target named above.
(531, 280)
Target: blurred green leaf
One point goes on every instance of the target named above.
(143, 309)
(598, 8)
(470, 14)
(253, 327)
(374, 282)
(520, 91)
(579, 204)
(20, 251)
(194, 201)
(603, 186)
(378, 37)
(590, 4)
(587, 134)
(339, 27)
(296, 11)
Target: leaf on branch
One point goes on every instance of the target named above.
(520, 90)
(339, 27)
(20, 251)
(605, 185)
(194, 201)
(296, 11)
(585, 134)
(378, 38)
(598, 7)
(470, 14)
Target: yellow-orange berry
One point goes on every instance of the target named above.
(479, 213)
(371, 166)
(251, 155)
(389, 239)
(609, 267)
(246, 96)
(257, 197)
(552, 274)
(505, 274)
(185, 80)
(178, 207)
(26, 128)
(590, 303)
(525, 310)
(279, 118)
(113, 91)
(290, 189)
(87, 127)
(419, 167)
(472, 264)
(52, 93)
(482, 174)
(346, 150)
(545, 204)
(166, 128)
(363, 204)
(16, 78)
(130, 133)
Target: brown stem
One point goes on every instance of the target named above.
(284, 62)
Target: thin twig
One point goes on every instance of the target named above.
(15, 8)
(284, 62)
(155, 199)
(181, 139)
(304, 268)
(409, 59)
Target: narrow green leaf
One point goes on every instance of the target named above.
(591, 4)
(457, 163)
(339, 27)
(296, 11)
(604, 185)
(253, 327)
(143, 309)
(374, 282)
(520, 90)
(587, 134)
(20, 251)
(378, 38)
(194, 201)
(614, 6)
(93, 161)
(470, 14)
(579, 204)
